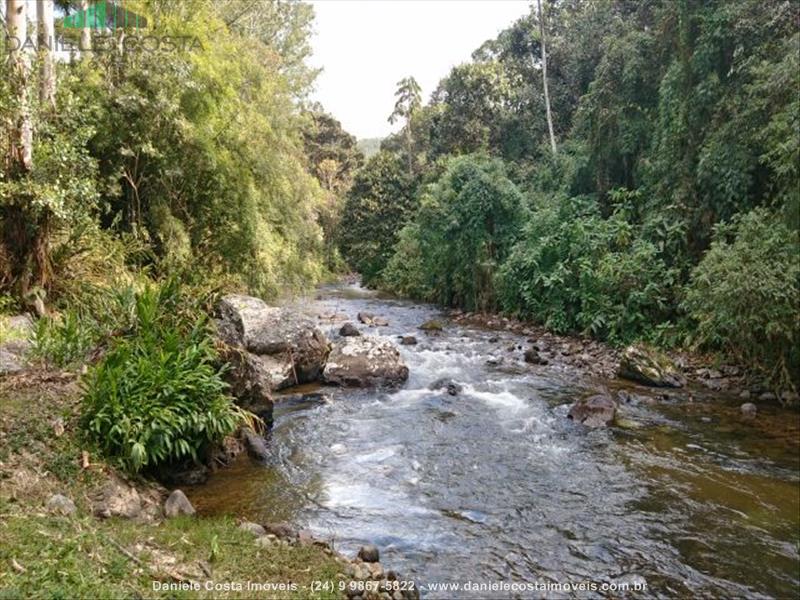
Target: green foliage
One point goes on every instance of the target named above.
(744, 295)
(464, 229)
(157, 397)
(378, 205)
(575, 271)
(66, 340)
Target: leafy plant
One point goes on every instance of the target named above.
(65, 340)
(744, 296)
(157, 397)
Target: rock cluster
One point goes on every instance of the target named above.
(269, 349)
(363, 577)
(363, 362)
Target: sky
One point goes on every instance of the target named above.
(366, 46)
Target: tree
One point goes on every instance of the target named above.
(46, 39)
(377, 207)
(409, 101)
(333, 157)
(544, 77)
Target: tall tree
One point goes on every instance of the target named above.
(409, 101)
(21, 151)
(46, 39)
(544, 77)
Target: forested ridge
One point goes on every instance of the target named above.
(664, 208)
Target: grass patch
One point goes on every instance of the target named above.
(47, 556)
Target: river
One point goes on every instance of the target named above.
(497, 485)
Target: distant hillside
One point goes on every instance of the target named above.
(370, 146)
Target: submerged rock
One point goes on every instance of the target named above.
(432, 325)
(749, 409)
(595, 411)
(349, 330)
(452, 387)
(650, 367)
(365, 361)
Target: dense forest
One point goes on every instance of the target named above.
(627, 170)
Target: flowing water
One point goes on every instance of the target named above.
(497, 485)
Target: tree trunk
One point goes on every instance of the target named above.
(21, 158)
(85, 44)
(544, 78)
(47, 34)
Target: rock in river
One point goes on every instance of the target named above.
(453, 388)
(349, 330)
(283, 347)
(365, 361)
(649, 367)
(594, 411)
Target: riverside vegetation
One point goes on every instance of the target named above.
(643, 187)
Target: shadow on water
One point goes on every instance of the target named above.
(495, 484)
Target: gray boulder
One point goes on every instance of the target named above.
(283, 348)
(649, 367)
(117, 499)
(595, 411)
(363, 362)
(177, 504)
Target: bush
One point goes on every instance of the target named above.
(157, 397)
(576, 271)
(466, 224)
(66, 340)
(744, 296)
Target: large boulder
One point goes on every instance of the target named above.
(365, 361)
(282, 348)
(595, 411)
(649, 367)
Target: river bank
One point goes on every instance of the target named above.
(73, 526)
